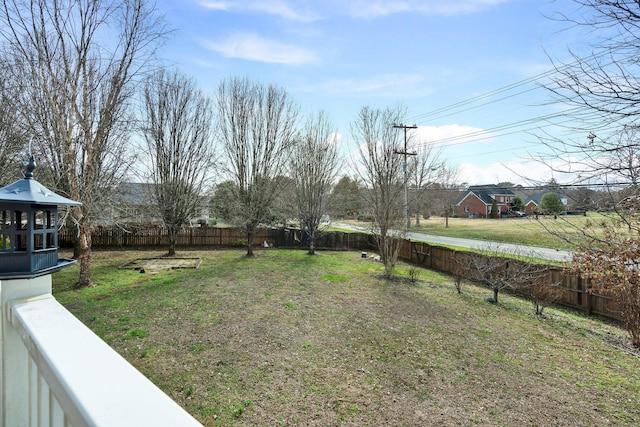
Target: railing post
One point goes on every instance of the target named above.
(14, 356)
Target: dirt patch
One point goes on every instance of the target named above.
(153, 265)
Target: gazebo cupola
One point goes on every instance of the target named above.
(29, 228)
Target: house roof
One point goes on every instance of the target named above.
(486, 193)
(537, 198)
(136, 193)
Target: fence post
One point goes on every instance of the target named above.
(587, 288)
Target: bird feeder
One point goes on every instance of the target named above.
(29, 228)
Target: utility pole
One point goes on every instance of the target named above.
(405, 153)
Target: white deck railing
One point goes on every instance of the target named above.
(56, 372)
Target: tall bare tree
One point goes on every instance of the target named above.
(381, 171)
(314, 165)
(77, 61)
(441, 195)
(602, 90)
(424, 171)
(603, 83)
(178, 129)
(257, 128)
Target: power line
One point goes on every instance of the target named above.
(534, 123)
(526, 125)
(533, 79)
(490, 133)
(474, 99)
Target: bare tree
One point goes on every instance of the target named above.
(498, 271)
(606, 80)
(257, 128)
(178, 129)
(443, 194)
(425, 169)
(77, 62)
(13, 139)
(314, 165)
(381, 171)
(602, 90)
(461, 266)
(541, 294)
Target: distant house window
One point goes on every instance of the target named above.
(466, 208)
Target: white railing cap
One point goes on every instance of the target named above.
(93, 384)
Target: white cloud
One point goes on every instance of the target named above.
(518, 171)
(373, 9)
(335, 139)
(375, 84)
(216, 5)
(273, 7)
(367, 9)
(255, 48)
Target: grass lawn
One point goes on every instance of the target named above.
(288, 339)
(526, 231)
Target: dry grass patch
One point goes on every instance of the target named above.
(289, 339)
(153, 265)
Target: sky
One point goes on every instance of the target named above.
(434, 57)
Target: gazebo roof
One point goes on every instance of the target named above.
(29, 191)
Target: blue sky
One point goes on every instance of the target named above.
(337, 56)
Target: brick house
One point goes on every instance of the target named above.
(477, 201)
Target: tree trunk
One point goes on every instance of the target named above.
(173, 236)
(76, 246)
(250, 236)
(312, 241)
(417, 219)
(85, 256)
(495, 295)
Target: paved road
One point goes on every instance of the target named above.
(545, 253)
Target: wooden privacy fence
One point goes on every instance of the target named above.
(115, 237)
(575, 292)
